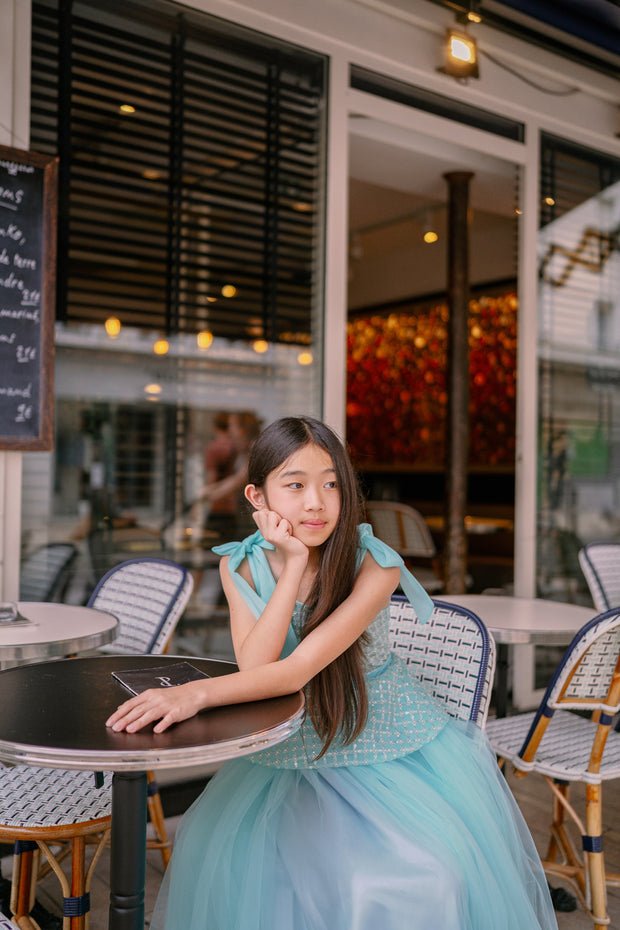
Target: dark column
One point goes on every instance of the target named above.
(457, 428)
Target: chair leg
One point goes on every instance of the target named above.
(23, 885)
(156, 813)
(595, 861)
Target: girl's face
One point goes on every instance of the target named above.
(304, 491)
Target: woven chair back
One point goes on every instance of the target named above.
(587, 677)
(148, 597)
(453, 652)
(45, 572)
(600, 564)
(401, 527)
(588, 669)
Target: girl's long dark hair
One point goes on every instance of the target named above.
(337, 698)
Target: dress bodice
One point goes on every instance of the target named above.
(402, 713)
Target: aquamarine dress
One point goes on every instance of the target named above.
(409, 827)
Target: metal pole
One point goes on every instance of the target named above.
(457, 427)
(128, 851)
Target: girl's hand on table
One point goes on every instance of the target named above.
(167, 705)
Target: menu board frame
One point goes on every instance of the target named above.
(28, 180)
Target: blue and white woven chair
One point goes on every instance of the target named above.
(570, 739)
(5, 923)
(46, 571)
(45, 808)
(453, 652)
(600, 564)
(147, 596)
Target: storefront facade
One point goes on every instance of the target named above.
(380, 92)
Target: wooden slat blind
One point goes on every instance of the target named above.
(212, 180)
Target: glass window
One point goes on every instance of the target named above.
(579, 354)
(189, 299)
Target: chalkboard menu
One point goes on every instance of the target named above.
(28, 199)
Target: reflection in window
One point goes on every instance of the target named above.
(190, 239)
(579, 354)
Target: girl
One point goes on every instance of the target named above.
(381, 812)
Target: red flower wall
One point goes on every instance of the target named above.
(396, 385)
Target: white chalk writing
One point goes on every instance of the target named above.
(26, 354)
(21, 262)
(11, 391)
(11, 314)
(11, 198)
(24, 412)
(14, 168)
(11, 231)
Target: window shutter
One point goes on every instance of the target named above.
(210, 182)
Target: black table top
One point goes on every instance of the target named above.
(54, 713)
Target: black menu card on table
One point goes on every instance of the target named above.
(164, 676)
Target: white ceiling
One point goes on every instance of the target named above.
(395, 171)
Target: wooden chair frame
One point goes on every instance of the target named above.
(565, 747)
(115, 594)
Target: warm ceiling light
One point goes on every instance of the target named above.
(460, 55)
(305, 358)
(112, 326)
(229, 290)
(430, 236)
(150, 174)
(204, 339)
(161, 347)
(550, 201)
(260, 346)
(152, 389)
(126, 108)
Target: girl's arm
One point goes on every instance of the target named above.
(371, 592)
(258, 641)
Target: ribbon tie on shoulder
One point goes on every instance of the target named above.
(252, 548)
(386, 557)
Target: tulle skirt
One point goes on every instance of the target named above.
(433, 839)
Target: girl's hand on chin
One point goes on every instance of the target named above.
(167, 705)
(278, 531)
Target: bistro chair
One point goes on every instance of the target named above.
(453, 652)
(46, 571)
(600, 564)
(5, 923)
(570, 739)
(405, 530)
(41, 808)
(148, 597)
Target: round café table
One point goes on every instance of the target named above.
(54, 713)
(515, 621)
(48, 630)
